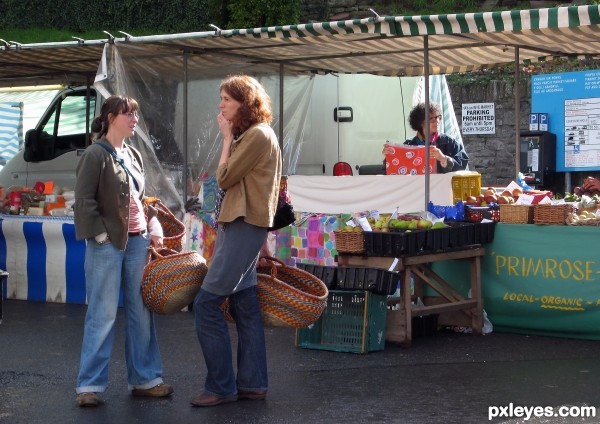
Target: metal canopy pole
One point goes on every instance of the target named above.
(185, 126)
(426, 123)
(517, 112)
(280, 135)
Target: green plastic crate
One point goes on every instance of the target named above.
(353, 321)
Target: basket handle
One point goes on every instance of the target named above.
(159, 205)
(273, 263)
(154, 254)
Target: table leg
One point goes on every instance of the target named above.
(406, 300)
(477, 318)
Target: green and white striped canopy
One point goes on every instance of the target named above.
(390, 45)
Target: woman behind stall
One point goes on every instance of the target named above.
(450, 154)
(109, 215)
(249, 171)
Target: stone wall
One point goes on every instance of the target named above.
(493, 155)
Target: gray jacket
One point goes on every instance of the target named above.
(102, 195)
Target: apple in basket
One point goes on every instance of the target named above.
(471, 200)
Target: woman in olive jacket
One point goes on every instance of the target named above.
(109, 215)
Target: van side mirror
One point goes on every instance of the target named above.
(32, 142)
(39, 146)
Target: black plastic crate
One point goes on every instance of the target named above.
(327, 274)
(345, 278)
(376, 280)
(462, 234)
(395, 243)
(414, 241)
(383, 243)
(438, 239)
(483, 232)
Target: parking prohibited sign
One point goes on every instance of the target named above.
(478, 118)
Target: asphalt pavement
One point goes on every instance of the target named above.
(447, 377)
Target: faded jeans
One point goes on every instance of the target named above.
(107, 270)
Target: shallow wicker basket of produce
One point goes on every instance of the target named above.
(516, 214)
(551, 214)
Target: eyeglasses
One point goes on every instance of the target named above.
(131, 115)
(435, 118)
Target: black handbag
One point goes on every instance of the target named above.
(284, 215)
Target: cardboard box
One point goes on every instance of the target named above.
(407, 160)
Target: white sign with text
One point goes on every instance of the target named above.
(478, 118)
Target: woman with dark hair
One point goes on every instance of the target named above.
(109, 215)
(450, 155)
(249, 171)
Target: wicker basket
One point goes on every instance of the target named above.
(288, 296)
(171, 280)
(173, 228)
(551, 214)
(349, 241)
(516, 214)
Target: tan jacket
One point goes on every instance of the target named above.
(251, 177)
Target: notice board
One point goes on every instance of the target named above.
(572, 101)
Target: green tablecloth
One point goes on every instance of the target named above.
(536, 279)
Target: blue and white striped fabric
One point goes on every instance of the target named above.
(11, 128)
(43, 259)
(440, 94)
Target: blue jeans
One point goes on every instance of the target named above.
(213, 334)
(107, 270)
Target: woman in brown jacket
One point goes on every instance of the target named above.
(249, 171)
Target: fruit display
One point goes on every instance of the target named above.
(582, 217)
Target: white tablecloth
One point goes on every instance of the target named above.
(325, 194)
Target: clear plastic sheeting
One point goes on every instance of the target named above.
(177, 130)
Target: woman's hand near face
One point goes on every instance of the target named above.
(224, 126)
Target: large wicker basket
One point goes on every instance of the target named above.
(171, 280)
(173, 228)
(288, 296)
(349, 241)
(551, 214)
(516, 214)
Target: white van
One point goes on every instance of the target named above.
(52, 149)
(350, 118)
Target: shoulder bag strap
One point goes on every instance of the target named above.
(120, 161)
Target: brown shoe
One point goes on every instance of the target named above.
(206, 399)
(88, 399)
(252, 395)
(161, 390)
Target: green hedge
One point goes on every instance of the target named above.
(126, 15)
(155, 16)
